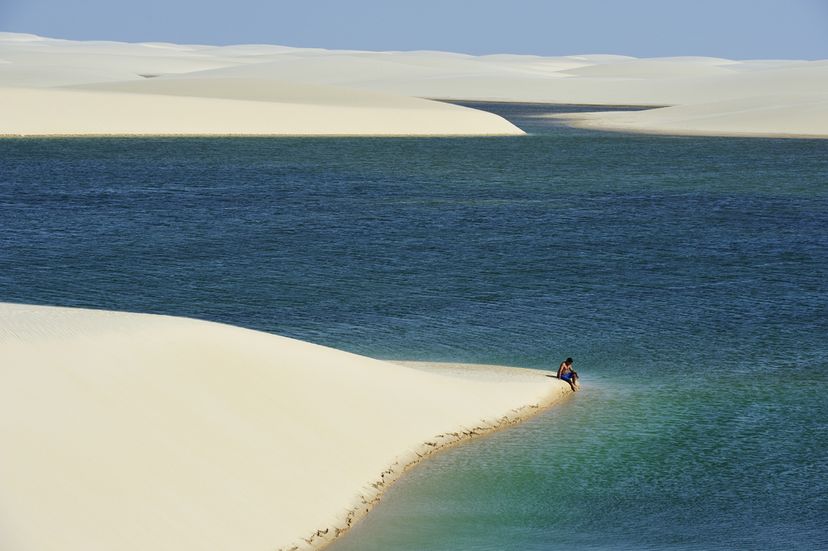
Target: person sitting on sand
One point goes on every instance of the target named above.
(566, 373)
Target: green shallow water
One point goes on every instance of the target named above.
(686, 276)
(623, 466)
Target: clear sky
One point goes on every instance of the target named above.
(739, 29)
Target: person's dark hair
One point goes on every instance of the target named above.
(568, 361)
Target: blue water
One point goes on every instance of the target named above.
(688, 277)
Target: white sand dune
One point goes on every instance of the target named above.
(24, 76)
(656, 68)
(599, 90)
(135, 432)
(34, 100)
(598, 79)
(37, 112)
(149, 63)
(262, 90)
(781, 116)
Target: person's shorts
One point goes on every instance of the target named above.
(567, 376)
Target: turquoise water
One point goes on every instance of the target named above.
(686, 276)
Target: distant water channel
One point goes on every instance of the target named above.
(688, 277)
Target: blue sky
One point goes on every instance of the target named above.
(739, 29)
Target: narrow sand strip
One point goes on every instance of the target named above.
(135, 432)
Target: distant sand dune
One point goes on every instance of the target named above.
(264, 90)
(282, 74)
(656, 68)
(136, 432)
(34, 100)
(760, 116)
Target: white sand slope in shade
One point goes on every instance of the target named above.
(135, 432)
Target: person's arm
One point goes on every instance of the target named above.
(560, 369)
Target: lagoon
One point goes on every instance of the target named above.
(686, 276)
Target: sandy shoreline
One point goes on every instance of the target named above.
(136, 431)
(322, 538)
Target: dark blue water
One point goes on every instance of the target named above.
(688, 277)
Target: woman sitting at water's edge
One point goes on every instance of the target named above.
(566, 373)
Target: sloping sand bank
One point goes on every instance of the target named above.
(68, 112)
(135, 432)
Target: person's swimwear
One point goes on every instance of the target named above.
(567, 376)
